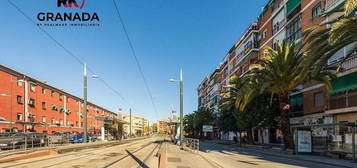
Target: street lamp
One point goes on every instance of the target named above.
(181, 106)
(85, 89)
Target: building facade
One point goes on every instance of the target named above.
(139, 124)
(311, 104)
(30, 105)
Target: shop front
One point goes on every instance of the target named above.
(333, 139)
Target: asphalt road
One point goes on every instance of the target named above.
(134, 154)
(230, 157)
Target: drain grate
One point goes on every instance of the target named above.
(173, 159)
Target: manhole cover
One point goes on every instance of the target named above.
(173, 159)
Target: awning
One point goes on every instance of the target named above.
(292, 5)
(53, 107)
(344, 83)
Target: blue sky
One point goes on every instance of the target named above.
(167, 35)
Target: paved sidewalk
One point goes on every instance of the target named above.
(213, 149)
(177, 158)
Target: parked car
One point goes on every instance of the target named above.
(19, 140)
(78, 138)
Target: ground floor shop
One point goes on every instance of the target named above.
(330, 133)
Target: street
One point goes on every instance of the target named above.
(231, 157)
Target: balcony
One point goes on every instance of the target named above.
(347, 64)
(343, 100)
(332, 4)
(296, 111)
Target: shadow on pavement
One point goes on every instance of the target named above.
(141, 163)
(256, 157)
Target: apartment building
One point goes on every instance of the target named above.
(30, 105)
(236, 62)
(312, 105)
(139, 124)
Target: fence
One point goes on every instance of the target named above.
(23, 142)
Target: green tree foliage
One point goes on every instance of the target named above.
(324, 40)
(193, 122)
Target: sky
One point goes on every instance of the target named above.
(167, 35)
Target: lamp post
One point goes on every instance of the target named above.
(85, 89)
(181, 106)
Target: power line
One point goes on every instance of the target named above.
(69, 53)
(134, 55)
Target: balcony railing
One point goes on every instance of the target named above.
(346, 64)
(332, 4)
(343, 100)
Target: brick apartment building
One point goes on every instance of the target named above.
(311, 104)
(30, 105)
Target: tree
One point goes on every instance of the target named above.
(188, 122)
(193, 122)
(259, 112)
(278, 72)
(326, 39)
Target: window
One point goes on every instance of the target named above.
(277, 26)
(60, 97)
(32, 102)
(19, 99)
(265, 33)
(52, 92)
(43, 91)
(316, 10)
(53, 121)
(318, 99)
(19, 116)
(32, 87)
(44, 119)
(275, 45)
(293, 29)
(43, 105)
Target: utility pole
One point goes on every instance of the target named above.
(181, 109)
(143, 128)
(181, 106)
(85, 78)
(130, 123)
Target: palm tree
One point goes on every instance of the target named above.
(328, 38)
(278, 72)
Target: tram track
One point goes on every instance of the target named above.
(61, 159)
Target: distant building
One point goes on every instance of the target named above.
(32, 105)
(139, 124)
